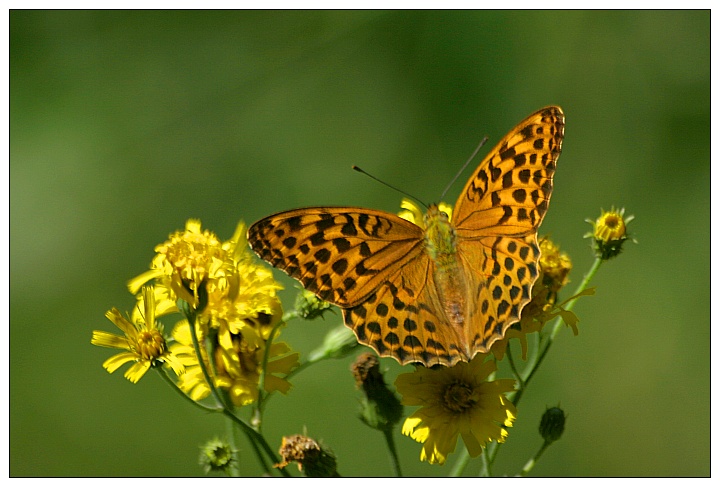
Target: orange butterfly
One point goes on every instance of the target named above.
(436, 294)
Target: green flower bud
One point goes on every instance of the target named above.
(338, 343)
(552, 424)
(216, 456)
(310, 306)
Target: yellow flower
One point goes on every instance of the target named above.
(233, 301)
(554, 268)
(221, 280)
(185, 262)
(237, 364)
(456, 401)
(610, 233)
(144, 343)
(243, 291)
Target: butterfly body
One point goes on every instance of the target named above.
(451, 285)
(441, 292)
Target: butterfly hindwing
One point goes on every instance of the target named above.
(342, 254)
(506, 268)
(404, 318)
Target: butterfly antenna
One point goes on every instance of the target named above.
(389, 185)
(462, 169)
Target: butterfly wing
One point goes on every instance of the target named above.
(496, 219)
(404, 318)
(509, 192)
(341, 254)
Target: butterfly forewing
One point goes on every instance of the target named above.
(341, 254)
(508, 193)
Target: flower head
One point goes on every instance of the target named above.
(144, 343)
(184, 262)
(221, 281)
(456, 401)
(233, 303)
(237, 363)
(609, 233)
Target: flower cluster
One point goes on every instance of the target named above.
(231, 316)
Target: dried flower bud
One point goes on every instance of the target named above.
(312, 459)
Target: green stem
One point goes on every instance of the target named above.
(531, 463)
(247, 429)
(460, 463)
(233, 440)
(488, 461)
(533, 366)
(514, 369)
(163, 373)
(388, 433)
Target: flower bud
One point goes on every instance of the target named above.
(610, 233)
(338, 343)
(309, 306)
(216, 456)
(552, 424)
(380, 408)
(312, 459)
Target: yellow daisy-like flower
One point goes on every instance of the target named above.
(554, 267)
(220, 279)
(144, 343)
(244, 291)
(414, 214)
(185, 262)
(234, 302)
(456, 401)
(237, 362)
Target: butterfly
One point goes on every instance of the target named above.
(438, 293)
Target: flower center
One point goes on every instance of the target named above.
(458, 397)
(150, 344)
(612, 221)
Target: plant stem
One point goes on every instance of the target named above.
(388, 433)
(531, 463)
(460, 463)
(533, 366)
(247, 429)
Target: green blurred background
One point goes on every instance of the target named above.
(125, 124)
